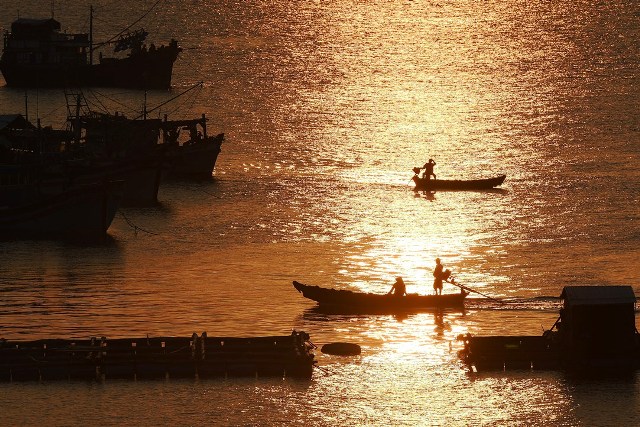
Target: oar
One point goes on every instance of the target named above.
(466, 288)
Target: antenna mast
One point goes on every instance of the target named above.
(91, 35)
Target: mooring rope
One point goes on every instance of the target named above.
(135, 227)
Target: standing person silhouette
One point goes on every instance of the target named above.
(428, 169)
(437, 274)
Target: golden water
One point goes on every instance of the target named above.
(326, 107)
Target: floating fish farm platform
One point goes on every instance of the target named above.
(595, 333)
(157, 358)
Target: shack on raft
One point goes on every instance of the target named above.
(157, 358)
(595, 332)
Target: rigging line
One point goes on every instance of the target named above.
(114, 100)
(51, 113)
(132, 24)
(98, 101)
(110, 6)
(191, 99)
(171, 99)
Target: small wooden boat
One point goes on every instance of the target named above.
(423, 184)
(359, 302)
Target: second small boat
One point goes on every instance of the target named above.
(345, 301)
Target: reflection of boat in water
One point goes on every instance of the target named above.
(424, 184)
(81, 213)
(345, 301)
(37, 54)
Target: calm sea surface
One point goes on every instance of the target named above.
(326, 107)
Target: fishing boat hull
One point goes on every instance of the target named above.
(133, 73)
(360, 302)
(37, 54)
(423, 184)
(82, 213)
(196, 160)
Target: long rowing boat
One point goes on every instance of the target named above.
(423, 184)
(360, 302)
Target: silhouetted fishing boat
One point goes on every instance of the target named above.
(424, 184)
(359, 302)
(81, 213)
(186, 148)
(42, 162)
(37, 54)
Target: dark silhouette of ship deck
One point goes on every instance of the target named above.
(37, 54)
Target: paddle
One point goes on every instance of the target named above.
(466, 288)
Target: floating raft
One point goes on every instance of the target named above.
(157, 358)
(595, 333)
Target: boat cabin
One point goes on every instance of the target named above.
(598, 322)
(39, 41)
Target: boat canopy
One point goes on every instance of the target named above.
(597, 295)
(25, 27)
(14, 121)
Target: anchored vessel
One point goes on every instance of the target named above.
(594, 333)
(359, 302)
(37, 54)
(82, 213)
(157, 357)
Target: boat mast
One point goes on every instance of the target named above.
(91, 35)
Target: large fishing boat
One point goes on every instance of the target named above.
(37, 54)
(187, 149)
(38, 162)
